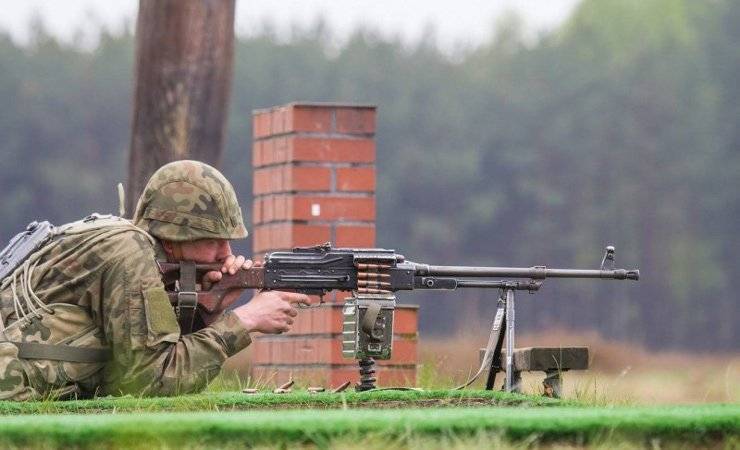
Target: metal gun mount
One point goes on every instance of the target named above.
(504, 323)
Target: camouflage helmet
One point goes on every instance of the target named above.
(189, 200)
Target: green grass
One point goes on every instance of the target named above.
(226, 401)
(695, 424)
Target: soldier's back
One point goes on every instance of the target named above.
(52, 341)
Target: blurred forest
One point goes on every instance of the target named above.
(620, 127)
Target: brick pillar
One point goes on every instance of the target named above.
(314, 182)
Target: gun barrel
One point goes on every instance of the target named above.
(535, 273)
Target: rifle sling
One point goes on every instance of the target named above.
(187, 297)
(492, 355)
(59, 352)
(370, 317)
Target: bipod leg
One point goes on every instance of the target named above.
(499, 325)
(367, 375)
(510, 321)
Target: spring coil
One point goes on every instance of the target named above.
(367, 375)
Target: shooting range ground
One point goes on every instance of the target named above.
(236, 401)
(222, 424)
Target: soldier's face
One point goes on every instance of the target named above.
(204, 251)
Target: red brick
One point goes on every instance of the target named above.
(333, 208)
(279, 119)
(355, 120)
(256, 154)
(303, 323)
(276, 236)
(281, 148)
(267, 155)
(332, 377)
(330, 150)
(283, 236)
(313, 118)
(280, 178)
(279, 236)
(322, 350)
(355, 236)
(272, 180)
(261, 125)
(260, 238)
(358, 179)
(315, 300)
(316, 320)
(256, 211)
(406, 320)
(308, 179)
(280, 207)
(261, 181)
(341, 297)
(269, 241)
(260, 351)
(327, 319)
(307, 235)
(405, 351)
(268, 213)
(309, 119)
(324, 319)
(328, 323)
(297, 350)
(283, 136)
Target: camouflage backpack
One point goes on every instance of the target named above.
(58, 343)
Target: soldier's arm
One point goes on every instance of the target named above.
(150, 357)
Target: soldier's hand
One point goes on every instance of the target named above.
(271, 312)
(231, 265)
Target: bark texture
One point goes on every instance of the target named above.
(184, 66)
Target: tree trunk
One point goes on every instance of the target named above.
(184, 65)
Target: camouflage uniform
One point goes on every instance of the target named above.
(97, 286)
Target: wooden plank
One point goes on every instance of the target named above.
(545, 359)
(551, 358)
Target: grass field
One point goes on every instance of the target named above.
(704, 425)
(237, 401)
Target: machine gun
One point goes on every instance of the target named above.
(373, 276)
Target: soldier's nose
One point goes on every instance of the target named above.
(224, 249)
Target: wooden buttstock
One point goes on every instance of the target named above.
(214, 300)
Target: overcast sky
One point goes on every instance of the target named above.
(459, 22)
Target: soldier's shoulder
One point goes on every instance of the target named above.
(126, 249)
(132, 239)
(112, 237)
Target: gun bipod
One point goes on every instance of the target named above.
(503, 326)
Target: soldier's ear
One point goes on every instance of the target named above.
(167, 246)
(173, 250)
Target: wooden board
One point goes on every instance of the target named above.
(545, 359)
